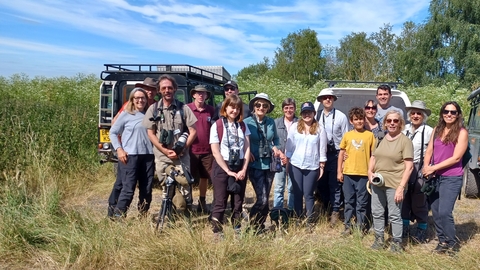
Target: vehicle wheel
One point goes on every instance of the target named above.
(471, 180)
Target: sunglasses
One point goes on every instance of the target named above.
(417, 113)
(264, 105)
(226, 89)
(328, 97)
(393, 120)
(445, 112)
(370, 107)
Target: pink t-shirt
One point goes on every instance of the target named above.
(442, 152)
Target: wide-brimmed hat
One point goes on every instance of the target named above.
(231, 83)
(261, 96)
(148, 82)
(307, 106)
(419, 105)
(326, 92)
(200, 88)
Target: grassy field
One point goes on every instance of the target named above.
(53, 197)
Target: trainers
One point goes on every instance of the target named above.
(334, 218)
(396, 246)
(346, 232)
(441, 248)
(420, 236)
(202, 207)
(379, 243)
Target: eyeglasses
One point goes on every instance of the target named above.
(417, 113)
(264, 105)
(393, 120)
(370, 107)
(445, 112)
(226, 89)
(139, 98)
(328, 97)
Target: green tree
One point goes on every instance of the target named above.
(254, 70)
(385, 41)
(409, 63)
(358, 57)
(299, 58)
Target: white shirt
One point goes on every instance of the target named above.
(334, 127)
(416, 137)
(306, 151)
(236, 139)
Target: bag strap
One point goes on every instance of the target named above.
(219, 123)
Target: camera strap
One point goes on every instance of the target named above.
(178, 104)
(262, 133)
(227, 127)
(333, 122)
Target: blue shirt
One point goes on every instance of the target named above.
(268, 125)
(306, 151)
(134, 139)
(334, 127)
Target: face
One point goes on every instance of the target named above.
(307, 116)
(393, 123)
(416, 117)
(450, 114)
(327, 101)
(383, 97)
(289, 111)
(139, 101)
(230, 90)
(357, 123)
(200, 96)
(261, 107)
(166, 89)
(151, 92)
(370, 110)
(232, 112)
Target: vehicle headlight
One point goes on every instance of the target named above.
(106, 146)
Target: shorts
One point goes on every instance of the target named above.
(201, 165)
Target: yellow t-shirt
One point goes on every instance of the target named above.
(359, 147)
(389, 159)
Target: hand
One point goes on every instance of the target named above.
(232, 174)
(428, 170)
(283, 158)
(399, 194)
(252, 158)
(241, 175)
(171, 154)
(122, 155)
(340, 177)
(345, 156)
(370, 176)
(320, 173)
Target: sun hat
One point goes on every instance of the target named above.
(419, 105)
(307, 106)
(148, 82)
(200, 88)
(326, 92)
(261, 96)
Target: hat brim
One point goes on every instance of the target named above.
(319, 98)
(252, 102)
(193, 92)
(427, 111)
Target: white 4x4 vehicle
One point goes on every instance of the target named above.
(349, 97)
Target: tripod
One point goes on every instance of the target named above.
(166, 209)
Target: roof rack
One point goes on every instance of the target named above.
(332, 83)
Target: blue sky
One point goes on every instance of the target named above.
(63, 38)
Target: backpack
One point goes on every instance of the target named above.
(178, 104)
(220, 127)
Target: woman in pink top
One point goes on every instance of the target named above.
(444, 153)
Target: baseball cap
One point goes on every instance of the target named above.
(231, 83)
(307, 106)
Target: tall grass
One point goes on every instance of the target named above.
(48, 165)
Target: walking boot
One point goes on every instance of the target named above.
(406, 232)
(396, 246)
(334, 218)
(379, 242)
(420, 236)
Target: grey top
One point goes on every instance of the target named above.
(381, 113)
(134, 139)
(334, 127)
(282, 131)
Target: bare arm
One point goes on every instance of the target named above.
(191, 136)
(371, 167)
(340, 165)
(399, 192)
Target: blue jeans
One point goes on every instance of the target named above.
(303, 184)
(262, 184)
(443, 201)
(356, 199)
(279, 189)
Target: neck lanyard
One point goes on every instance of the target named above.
(227, 127)
(333, 120)
(262, 133)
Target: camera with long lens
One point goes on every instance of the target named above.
(331, 146)
(180, 144)
(234, 158)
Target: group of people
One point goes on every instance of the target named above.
(370, 161)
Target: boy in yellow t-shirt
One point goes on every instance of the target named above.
(357, 146)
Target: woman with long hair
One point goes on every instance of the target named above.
(443, 159)
(306, 151)
(391, 161)
(135, 157)
(229, 139)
